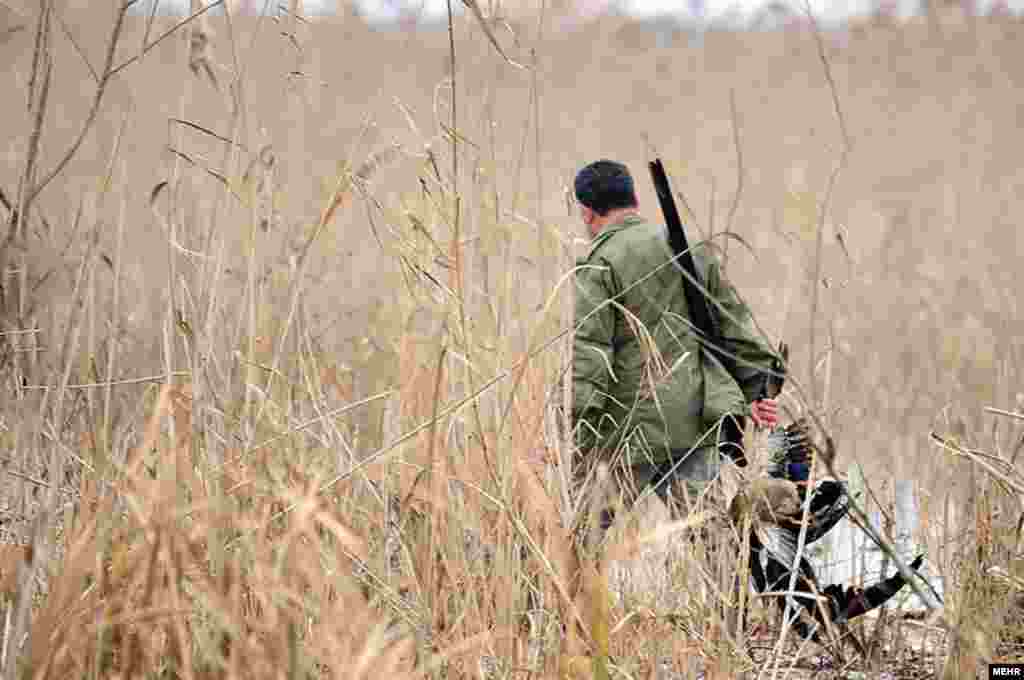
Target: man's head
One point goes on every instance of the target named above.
(604, 189)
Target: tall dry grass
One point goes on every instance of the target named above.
(284, 334)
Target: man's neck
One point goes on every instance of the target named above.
(613, 217)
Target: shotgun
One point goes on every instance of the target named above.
(702, 314)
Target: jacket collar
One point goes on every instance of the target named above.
(627, 221)
(615, 227)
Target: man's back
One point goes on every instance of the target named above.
(638, 372)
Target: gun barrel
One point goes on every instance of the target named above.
(698, 304)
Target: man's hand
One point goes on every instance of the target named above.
(765, 412)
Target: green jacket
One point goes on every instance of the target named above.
(638, 377)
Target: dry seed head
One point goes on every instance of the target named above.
(11, 556)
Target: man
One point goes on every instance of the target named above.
(646, 398)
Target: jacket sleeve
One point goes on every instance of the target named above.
(593, 349)
(752, 354)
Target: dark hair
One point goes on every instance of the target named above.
(605, 185)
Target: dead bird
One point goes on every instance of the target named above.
(774, 504)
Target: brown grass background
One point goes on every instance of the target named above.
(923, 314)
(918, 322)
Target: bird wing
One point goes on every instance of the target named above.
(777, 544)
(854, 602)
(829, 504)
(786, 445)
